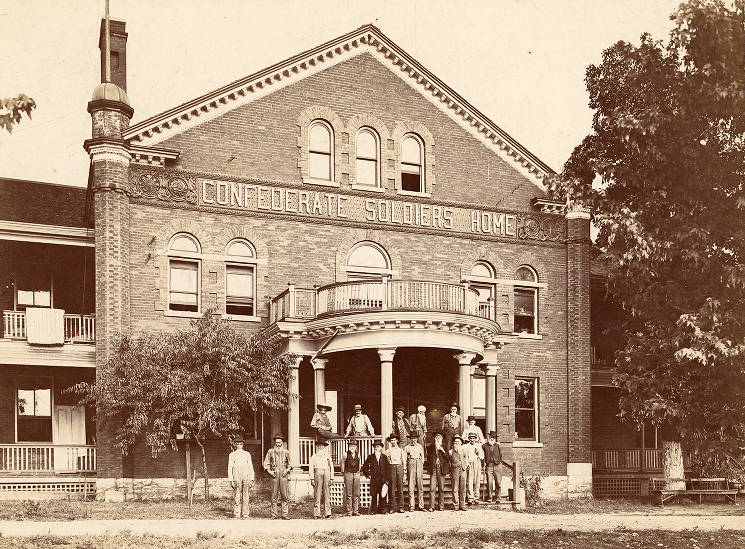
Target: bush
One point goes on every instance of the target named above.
(532, 487)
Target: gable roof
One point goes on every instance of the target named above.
(366, 39)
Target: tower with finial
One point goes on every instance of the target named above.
(110, 114)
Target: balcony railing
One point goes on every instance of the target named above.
(338, 447)
(47, 458)
(631, 459)
(401, 295)
(76, 328)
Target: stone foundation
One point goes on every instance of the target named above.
(579, 480)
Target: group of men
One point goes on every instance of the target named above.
(458, 450)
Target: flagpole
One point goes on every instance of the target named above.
(107, 51)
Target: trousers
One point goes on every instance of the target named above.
(416, 480)
(458, 478)
(241, 493)
(474, 481)
(377, 501)
(493, 477)
(396, 487)
(322, 478)
(279, 495)
(352, 484)
(437, 484)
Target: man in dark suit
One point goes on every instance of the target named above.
(376, 469)
(439, 468)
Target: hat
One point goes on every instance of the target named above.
(392, 437)
(323, 406)
(357, 407)
(421, 408)
(471, 418)
(457, 437)
(472, 435)
(455, 405)
(239, 440)
(401, 409)
(378, 443)
(353, 441)
(493, 434)
(278, 436)
(321, 443)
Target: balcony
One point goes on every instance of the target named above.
(52, 328)
(39, 459)
(369, 296)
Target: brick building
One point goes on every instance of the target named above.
(369, 219)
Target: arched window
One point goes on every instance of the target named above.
(412, 162)
(526, 300)
(367, 158)
(482, 280)
(368, 261)
(183, 273)
(240, 278)
(320, 151)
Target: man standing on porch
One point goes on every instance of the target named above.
(473, 428)
(439, 468)
(493, 462)
(321, 472)
(277, 464)
(396, 473)
(452, 424)
(418, 423)
(401, 427)
(458, 472)
(241, 477)
(415, 465)
(376, 469)
(359, 424)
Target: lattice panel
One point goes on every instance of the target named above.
(611, 488)
(70, 487)
(337, 493)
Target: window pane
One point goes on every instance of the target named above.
(184, 244)
(524, 273)
(241, 249)
(481, 270)
(319, 166)
(43, 402)
(183, 277)
(184, 299)
(525, 424)
(25, 297)
(524, 302)
(240, 281)
(42, 298)
(368, 256)
(320, 138)
(524, 393)
(366, 145)
(411, 182)
(367, 172)
(524, 324)
(411, 151)
(25, 402)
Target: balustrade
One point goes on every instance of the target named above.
(77, 328)
(36, 458)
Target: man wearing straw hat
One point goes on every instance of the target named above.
(322, 424)
(277, 464)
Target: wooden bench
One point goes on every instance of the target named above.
(695, 488)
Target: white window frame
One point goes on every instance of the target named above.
(186, 257)
(422, 155)
(242, 261)
(18, 381)
(533, 287)
(331, 182)
(536, 413)
(377, 187)
(359, 273)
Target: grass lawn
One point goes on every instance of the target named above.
(408, 539)
(681, 505)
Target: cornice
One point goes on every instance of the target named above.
(152, 156)
(366, 39)
(108, 104)
(50, 234)
(548, 206)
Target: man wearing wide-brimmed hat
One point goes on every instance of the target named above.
(359, 424)
(493, 463)
(277, 464)
(241, 477)
(322, 424)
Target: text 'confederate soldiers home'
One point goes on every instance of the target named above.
(352, 206)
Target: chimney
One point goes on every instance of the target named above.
(118, 42)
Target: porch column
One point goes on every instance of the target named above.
(319, 379)
(465, 371)
(293, 413)
(386, 390)
(491, 397)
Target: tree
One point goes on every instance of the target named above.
(12, 108)
(198, 382)
(663, 173)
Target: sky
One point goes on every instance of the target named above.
(520, 62)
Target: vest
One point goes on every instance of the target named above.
(352, 464)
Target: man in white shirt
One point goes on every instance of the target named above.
(360, 424)
(473, 478)
(397, 472)
(415, 466)
(321, 476)
(473, 428)
(241, 477)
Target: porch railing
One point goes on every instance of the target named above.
(630, 459)
(76, 328)
(338, 448)
(406, 295)
(50, 458)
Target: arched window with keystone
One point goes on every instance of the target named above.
(482, 279)
(240, 279)
(367, 154)
(526, 300)
(321, 151)
(412, 164)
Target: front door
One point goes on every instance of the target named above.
(70, 431)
